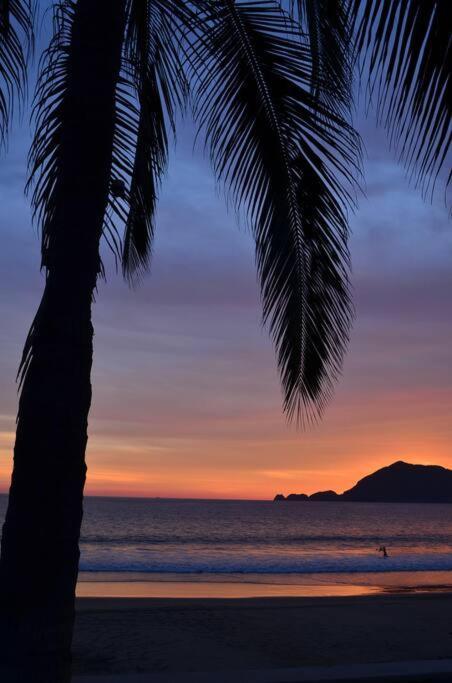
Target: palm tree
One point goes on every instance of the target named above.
(273, 108)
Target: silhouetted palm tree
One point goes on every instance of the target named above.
(273, 109)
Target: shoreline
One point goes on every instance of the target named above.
(205, 586)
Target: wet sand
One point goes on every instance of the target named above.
(118, 635)
(136, 585)
(218, 589)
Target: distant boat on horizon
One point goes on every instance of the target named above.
(400, 482)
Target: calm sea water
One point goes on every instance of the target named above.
(246, 537)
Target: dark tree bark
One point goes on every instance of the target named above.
(40, 552)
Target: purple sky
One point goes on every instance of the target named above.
(186, 394)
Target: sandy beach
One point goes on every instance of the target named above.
(115, 635)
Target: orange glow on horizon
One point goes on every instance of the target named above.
(250, 466)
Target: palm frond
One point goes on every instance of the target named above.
(327, 24)
(288, 161)
(16, 40)
(50, 110)
(153, 88)
(405, 45)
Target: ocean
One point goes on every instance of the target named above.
(145, 539)
(221, 537)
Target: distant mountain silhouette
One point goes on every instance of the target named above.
(325, 495)
(400, 482)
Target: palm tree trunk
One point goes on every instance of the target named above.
(39, 552)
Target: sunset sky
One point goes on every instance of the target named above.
(187, 400)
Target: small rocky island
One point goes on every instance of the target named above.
(400, 482)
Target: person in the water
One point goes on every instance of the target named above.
(382, 549)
